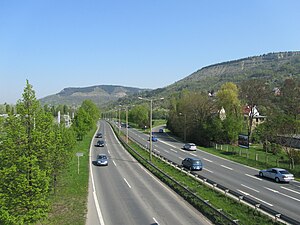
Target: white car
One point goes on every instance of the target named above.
(277, 174)
(190, 147)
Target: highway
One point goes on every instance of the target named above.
(125, 193)
(282, 197)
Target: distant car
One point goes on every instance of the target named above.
(161, 130)
(190, 147)
(154, 139)
(100, 143)
(98, 135)
(102, 160)
(192, 163)
(277, 174)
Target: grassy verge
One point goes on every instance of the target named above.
(235, 210)
(68, 204)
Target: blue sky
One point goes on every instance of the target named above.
(136, 43)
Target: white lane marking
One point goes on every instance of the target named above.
(250, 188)
(252, 176)
(114, 163)
(277, 192)
(108, 151)
(291, 190)
(127, 183)
(99, 213)
(167, 151)
(208, 170)
(168, 144)
(245, 193)
(173, 150)
(155, 221)
(207, 160)
(226, 167)
(181, 158)
(193, 154)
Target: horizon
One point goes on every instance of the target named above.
(147, 45)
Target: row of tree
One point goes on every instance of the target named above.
(198, 117)
(33, 152)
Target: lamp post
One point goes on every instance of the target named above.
(127, 124)
(150, 140)
(184, 129)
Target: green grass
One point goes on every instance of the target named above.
(69, 203)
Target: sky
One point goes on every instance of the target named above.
(56, 44)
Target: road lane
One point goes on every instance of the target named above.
(128, 194)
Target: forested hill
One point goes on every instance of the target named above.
(99, 94)
(274, 67)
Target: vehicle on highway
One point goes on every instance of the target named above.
(154, 139)
(100, 143)
(190, 147)
(277, 174)
(102, 160)
(161, 130)
(192, 163)
(98, 135)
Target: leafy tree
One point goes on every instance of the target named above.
(82, 123)
(90, 107)
(227, 97)
(139, 114)
(24, 181)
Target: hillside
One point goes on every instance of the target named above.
(274, 67)
(100, 94)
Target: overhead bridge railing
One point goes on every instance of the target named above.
(226, 191)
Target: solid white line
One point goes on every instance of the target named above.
(155, 221)
(291, 190)
(127, 183)
(250, 188)
(114, 163)
(296, 199)
(245, 193)
(226, 167)
(252, 176)
(207, 160)
(208, 170)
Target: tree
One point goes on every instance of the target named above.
(254, 92)
(227, 97)
(139, 115)
(82, 123)
(24, 181)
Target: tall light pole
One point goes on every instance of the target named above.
(127, 124)
(150, 140)
(184, 130)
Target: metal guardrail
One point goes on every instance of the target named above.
(257, 205)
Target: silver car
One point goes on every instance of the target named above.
(277, 174)
(190, 147)
(102, 160)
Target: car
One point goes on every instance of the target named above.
(98, 135)
(154, 139)
(277, 174)
(192, 163)
(190, 147)
(161, 130)
(102, 160)
(100, 143)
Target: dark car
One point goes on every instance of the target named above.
(100, 143)
(192, 163)
(98, 135)
(102, 160)
(154, 139)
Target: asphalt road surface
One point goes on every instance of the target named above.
(125, 193)
(282, 197)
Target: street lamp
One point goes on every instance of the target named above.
(151, 101)
(184, 130)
